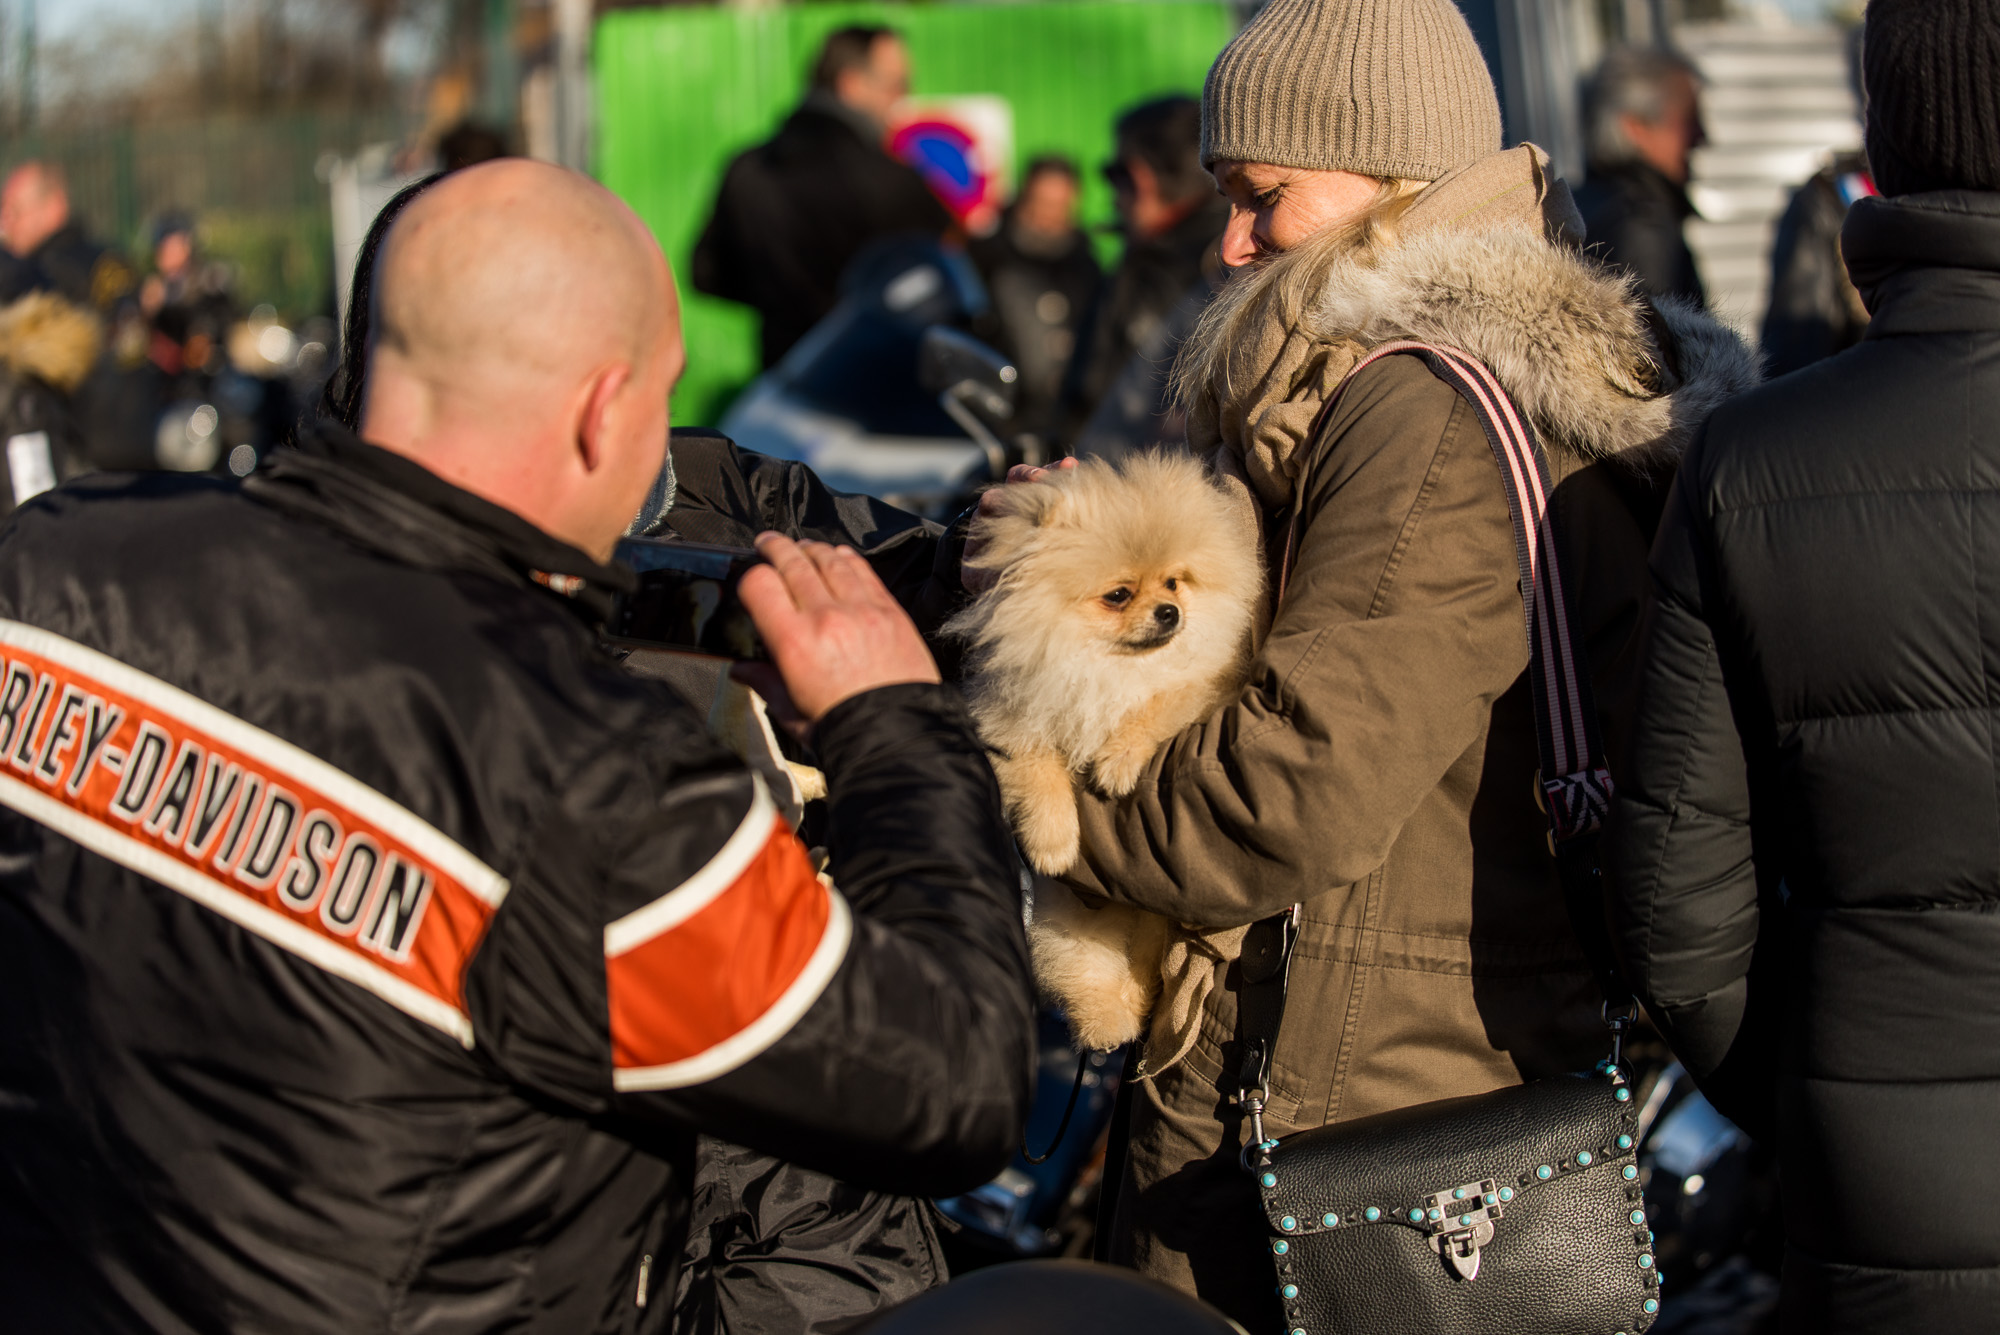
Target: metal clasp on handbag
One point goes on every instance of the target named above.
(1461, 1222)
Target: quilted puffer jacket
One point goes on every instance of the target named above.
(1805, 859)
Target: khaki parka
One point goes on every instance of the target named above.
(1379, 766)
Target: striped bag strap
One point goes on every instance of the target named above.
(1574, 784)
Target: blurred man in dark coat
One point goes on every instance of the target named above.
(1645, 120)
(1042, 276)
(1815, 309)
(52, 251)
(1171, 217)
(792, 212)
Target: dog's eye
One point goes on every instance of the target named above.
(1118, 597)
(1173, 584)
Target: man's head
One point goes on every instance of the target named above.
(1046, 203)
(1644, 105)
(526, 336)
(34, 206)
(867, 68)
(1157, 174)
(1932, 71)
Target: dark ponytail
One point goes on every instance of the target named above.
(346, 391)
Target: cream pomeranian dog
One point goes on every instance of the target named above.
(1121, 612)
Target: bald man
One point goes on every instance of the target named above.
(372, 946)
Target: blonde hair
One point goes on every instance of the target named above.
(1285, 285)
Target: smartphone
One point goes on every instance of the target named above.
(686, 600)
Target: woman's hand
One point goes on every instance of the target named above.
(978, 581)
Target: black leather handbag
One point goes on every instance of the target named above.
(1511, 1213)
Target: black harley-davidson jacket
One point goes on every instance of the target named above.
(372, 946)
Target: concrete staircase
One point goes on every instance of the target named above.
(1777, 102)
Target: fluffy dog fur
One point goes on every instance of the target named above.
(1121, 614)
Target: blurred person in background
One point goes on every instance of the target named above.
(1170, 218)
(1815, 308)
(1643, 108)
(63, 395)
(187, 300)
(1801, 855)
(55, 254)
(1041, 275)
(793, 211)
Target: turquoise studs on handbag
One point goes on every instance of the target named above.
(1458, 1193)
(1289, 1291)
(1280, 1247)
(1583, 1158)
(1371, 1214)
(1650, 1306)
(1436, 1213)
(1621, 1094)
(1645, 1260)
(1288, 1223)
(1506, 1194)
(1631, 1171)
(1330, 1219)
(1545, 1172)
(1417, 1216)
(1269, 1179)
(1637, 1216)
(1624, 1142)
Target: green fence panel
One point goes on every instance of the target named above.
(681, 90)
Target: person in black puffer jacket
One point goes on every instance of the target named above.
(1802, 857)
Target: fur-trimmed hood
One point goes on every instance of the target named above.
(1486, 260)
(1579, 351)
(43, 336)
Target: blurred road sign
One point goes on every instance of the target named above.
(964, 147)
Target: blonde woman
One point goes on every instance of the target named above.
(1379, 767)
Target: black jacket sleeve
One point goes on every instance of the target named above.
(1684, 902)
(912, 1070)
(668, 956)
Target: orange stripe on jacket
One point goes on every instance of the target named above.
(725, 982)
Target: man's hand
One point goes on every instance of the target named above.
(978, 581)
(832, 629)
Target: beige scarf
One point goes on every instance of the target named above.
(1252, 421)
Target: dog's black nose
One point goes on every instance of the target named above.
(1166, 616)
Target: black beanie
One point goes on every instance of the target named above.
(1932, 72)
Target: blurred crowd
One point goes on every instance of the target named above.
(112, 365)
(117, 364)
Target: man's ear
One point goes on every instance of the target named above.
(599, 414)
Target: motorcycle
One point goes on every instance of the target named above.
(888, 396)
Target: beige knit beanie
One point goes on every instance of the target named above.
(1380, 87)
